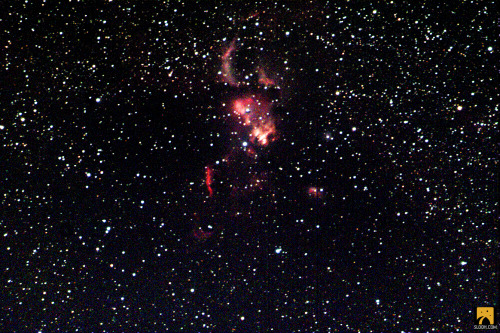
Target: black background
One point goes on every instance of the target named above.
(111, 112)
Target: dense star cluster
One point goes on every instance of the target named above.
(248, 166)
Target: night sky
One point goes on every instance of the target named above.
(248, 167)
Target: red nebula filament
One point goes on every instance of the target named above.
(227, 70)
(209, 173)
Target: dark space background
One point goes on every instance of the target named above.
(110, 113)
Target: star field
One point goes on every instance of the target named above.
(248, 166)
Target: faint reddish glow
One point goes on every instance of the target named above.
(251, 152)
(263, 79)
(209, 173)
(227, 69)
(230, 49)
(257, 182)
(315, 192)
(255, 14)
(201, 235)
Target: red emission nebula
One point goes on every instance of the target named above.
(254, 112)
(254, 124)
